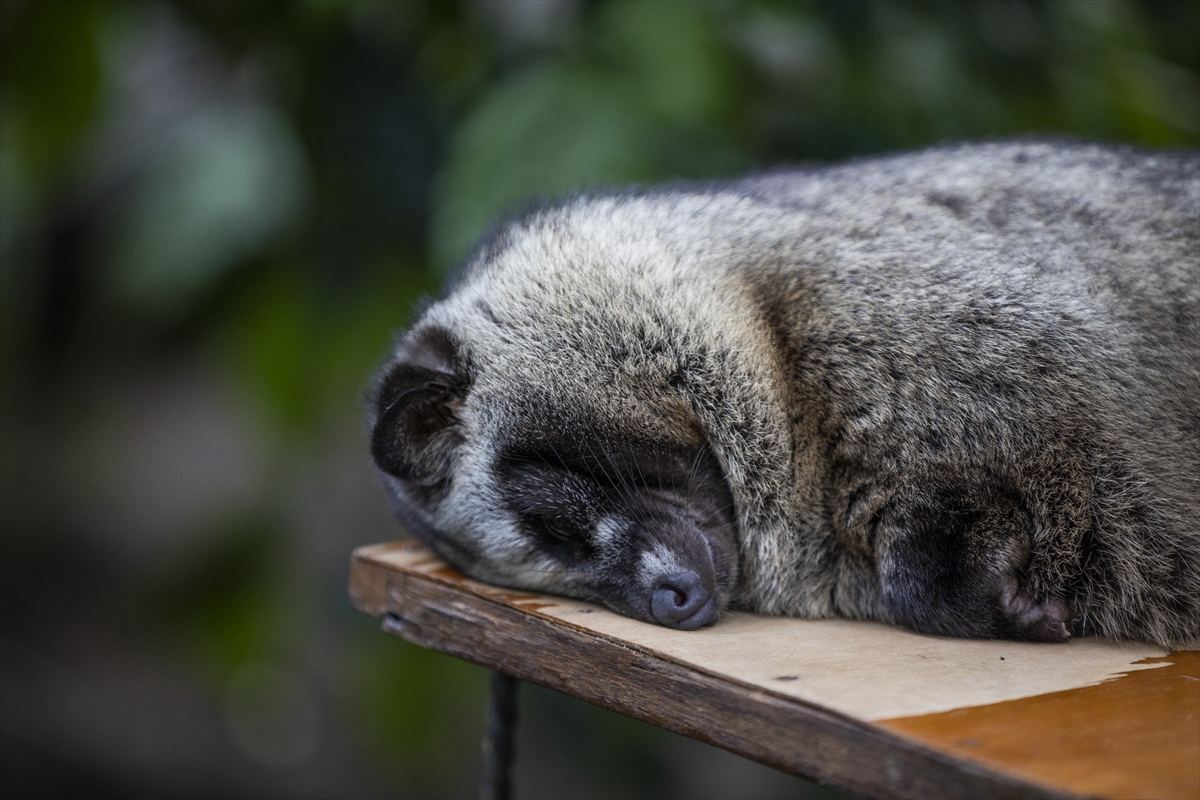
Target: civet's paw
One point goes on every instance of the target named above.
(1032, 620)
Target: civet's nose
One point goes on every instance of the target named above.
(681, 601)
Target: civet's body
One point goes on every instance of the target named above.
(956, 390)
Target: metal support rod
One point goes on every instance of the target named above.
(498, 742)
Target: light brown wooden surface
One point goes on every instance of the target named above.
(1136, 737)
(843, 702)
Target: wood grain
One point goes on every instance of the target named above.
(1136, 737)
(438, 609)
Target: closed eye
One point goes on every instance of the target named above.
(559, 537)
(551, 529)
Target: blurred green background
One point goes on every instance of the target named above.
(213, 215)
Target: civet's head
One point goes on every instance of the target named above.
(532, 429)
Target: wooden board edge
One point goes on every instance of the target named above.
(776, 730)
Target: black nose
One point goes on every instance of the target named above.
(681, 601)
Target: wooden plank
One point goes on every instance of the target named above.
(863, 670)
(799, 723)
(435, 610)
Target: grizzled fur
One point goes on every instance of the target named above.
(955, 389)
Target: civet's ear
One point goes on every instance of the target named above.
(416, 430)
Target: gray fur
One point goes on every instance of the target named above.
(955, 389)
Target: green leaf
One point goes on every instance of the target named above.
(223, 187)
(680, 69)
(544, 132)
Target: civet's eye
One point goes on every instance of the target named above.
(551, 529)
(560, 537)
